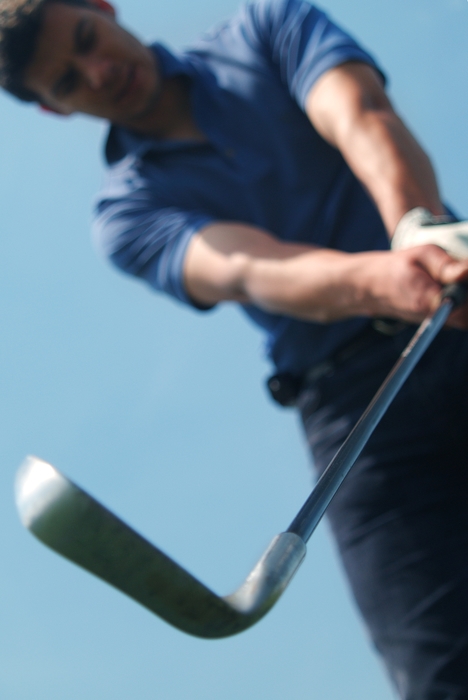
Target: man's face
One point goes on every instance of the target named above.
(85, 62)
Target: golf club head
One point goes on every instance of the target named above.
(67, 519)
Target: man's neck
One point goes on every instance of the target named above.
(171, 118)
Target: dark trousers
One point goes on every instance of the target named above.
(401, 517)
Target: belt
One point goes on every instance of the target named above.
(285, 387)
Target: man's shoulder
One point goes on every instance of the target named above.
(250, 23)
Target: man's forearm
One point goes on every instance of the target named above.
(350, 109)
(310, 284)
(236, 262)
(391, 164)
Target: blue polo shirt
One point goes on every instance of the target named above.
(263, 164)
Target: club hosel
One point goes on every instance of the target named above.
(270, 577)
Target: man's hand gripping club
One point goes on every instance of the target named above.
(418, 227)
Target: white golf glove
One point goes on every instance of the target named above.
(419, 227)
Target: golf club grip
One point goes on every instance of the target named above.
(328, 484)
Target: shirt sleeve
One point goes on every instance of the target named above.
(146, 240)
(301, 42)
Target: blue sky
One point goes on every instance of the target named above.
(161, 412)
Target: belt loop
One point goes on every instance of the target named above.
(284, 388)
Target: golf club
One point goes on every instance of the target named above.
(77, 526)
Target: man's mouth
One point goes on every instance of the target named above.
(130, 83)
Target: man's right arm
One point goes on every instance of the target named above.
(235, 262)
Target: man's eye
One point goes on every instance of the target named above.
(87, 42)
(85, 38)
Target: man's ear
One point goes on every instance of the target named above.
(104, 6)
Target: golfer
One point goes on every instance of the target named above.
(266, 166)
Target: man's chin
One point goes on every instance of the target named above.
(140, 115)
(151, 104)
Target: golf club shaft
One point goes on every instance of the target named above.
(313, 509)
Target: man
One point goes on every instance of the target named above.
(267, 166)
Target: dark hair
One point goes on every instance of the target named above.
(20, 23)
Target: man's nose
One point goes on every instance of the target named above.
(100, 72)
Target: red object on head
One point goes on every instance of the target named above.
(51, 110)
(104, 5)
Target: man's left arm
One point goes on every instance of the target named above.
(349, 108)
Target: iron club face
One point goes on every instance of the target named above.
(75, 525)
